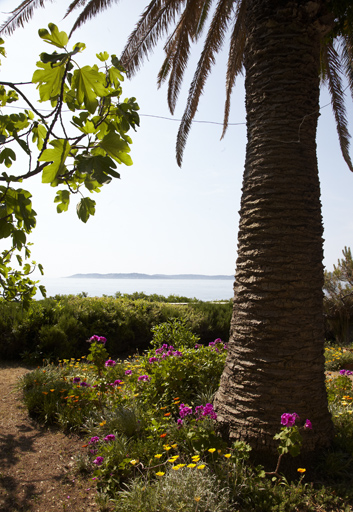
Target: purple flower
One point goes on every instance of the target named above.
(144, 378)
(308, 424)
(117, 382)
(153, 360)
(93, 452)
(345, 372)
(93, 440)
(128, 372)
(99, 339)
(218, 340)
(211, 343)
(84, 384)
(177, 353)
(179, 421)
(98, 461)
(288, 420)
(184, 410)
(110, 363)
(109, 437)
(76, 380)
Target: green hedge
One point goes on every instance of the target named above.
(58, 328)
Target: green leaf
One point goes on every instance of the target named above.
(116, 147)
(40, 268)
(89, 83)
(6, 156)
(39, 132)
(49, 79)
(43, 291)
(52, 58)
(102, 56)
(85, 208)
(57, 156)
(63, 198)
(55, 37)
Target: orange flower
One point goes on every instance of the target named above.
(163, 435)
(167, 414)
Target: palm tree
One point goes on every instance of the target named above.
(275, 362)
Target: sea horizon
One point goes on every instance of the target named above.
(201, 289)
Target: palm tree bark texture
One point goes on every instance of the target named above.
(276, 352)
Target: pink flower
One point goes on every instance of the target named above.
(110, 363)
(144, 378)
(308, 424)
(288, 420)
(98, 461)
(128, 372)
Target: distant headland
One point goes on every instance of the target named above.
(136, 275)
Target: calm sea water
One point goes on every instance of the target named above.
(206, 290)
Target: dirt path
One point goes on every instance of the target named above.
(37, 465)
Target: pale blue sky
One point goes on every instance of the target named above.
(159, 218)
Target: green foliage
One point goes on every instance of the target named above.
(58, 328)
(87, 158)
(338, 299)
(337, 358)
(183, 376)
(173, 332)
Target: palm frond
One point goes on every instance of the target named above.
(154, 22)
(347, 58)
(92, 9)
(74, 5)
(21, 15)
(179, 48)
(235, 58)
(203, 17)
(214, 42)
(333, 68)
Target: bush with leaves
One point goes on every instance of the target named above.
(83, 158)
(338, 300)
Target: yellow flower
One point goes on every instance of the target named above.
(160, 473)
(158, 456)
(191, 465)
(195, 457)
(211, 450)
(301, 470)
(227, 455)
(174, 445)
(175, 468)
(197, 498)
(103, 422)
(201, 466)
(133, 462)
(181, 465)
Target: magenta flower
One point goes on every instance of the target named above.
(110, 363)
(128, 372)
(76, 380)
(345, 372)
(144, 378)
(99, 339)
(197, 346)
(109, 437)
(153, 360)
(308, 425)
(98, 461)
(93, 440)
(288, 420)
(184, 410)
(117, 382)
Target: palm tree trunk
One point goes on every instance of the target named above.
(275, 362)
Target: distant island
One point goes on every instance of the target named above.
(136, 275)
